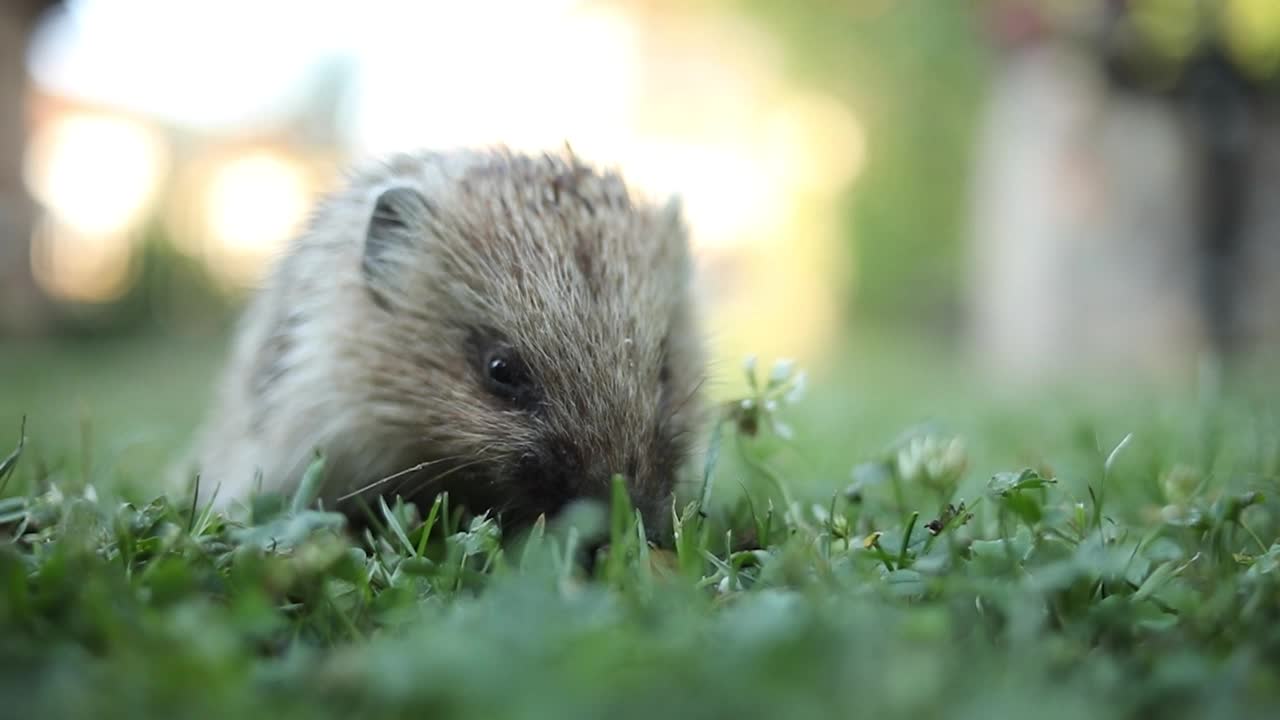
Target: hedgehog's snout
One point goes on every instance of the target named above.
(561, 471)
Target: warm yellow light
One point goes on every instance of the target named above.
(255, 203)
(727, 194)
(550, 71)
(71, 265)
(812, 143)
(95, 173)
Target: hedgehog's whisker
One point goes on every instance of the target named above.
(396, 476)
(438, 478)
(690, 396)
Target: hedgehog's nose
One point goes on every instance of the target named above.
(594, 548)
(544, 479)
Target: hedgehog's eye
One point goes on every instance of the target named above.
(506, 376)
(502, 371)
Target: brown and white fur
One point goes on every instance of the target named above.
(518, 328)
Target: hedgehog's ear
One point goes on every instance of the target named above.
(395, 225)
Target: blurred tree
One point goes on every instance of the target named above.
(1124, 215)
(912, 70)
(1214, 64)
(23, 307)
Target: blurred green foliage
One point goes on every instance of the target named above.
(913, 72)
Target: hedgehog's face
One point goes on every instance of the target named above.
(573, 351)
(575, 417)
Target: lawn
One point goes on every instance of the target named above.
(918, 545)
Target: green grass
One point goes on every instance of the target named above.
(1042, 555)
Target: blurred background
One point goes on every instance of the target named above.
(932, 194)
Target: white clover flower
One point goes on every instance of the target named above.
(796, 391)
(781, 429)
(726, 586)
(944, 459)
(933, 460)
(782, 369)
(910, 459)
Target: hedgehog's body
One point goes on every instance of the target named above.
(522, 327)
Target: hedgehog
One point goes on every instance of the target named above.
(514, 329)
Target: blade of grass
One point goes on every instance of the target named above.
(11, 460)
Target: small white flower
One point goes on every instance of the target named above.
(908, 461)
(782, 429)
(796, 391)
(941, 460)
(782, 369)
(932, 459)
(726, 586)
